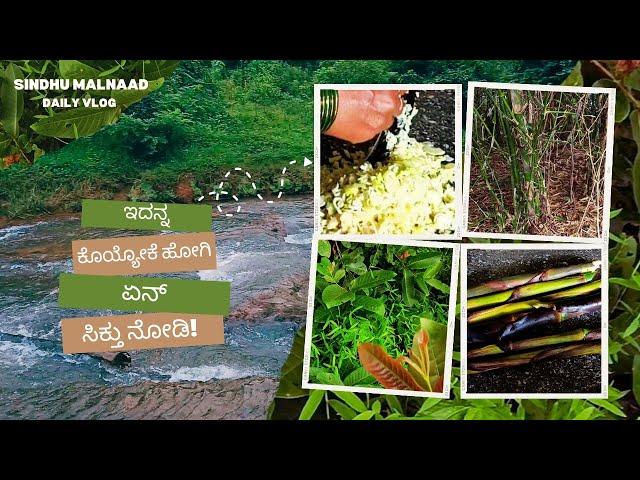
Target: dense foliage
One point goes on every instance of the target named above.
(29, 128)
(210, 115)
(373, 293)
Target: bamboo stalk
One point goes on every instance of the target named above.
(573, 350)
(489, 332)
(515, 281)
(548, 317)
(529, 290)
(579, 335)
(506, 309)
(574, 292)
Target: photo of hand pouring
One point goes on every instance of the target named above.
(534, 332)
(387, 161)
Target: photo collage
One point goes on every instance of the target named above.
(518, 220)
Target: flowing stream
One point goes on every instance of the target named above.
(256, 250)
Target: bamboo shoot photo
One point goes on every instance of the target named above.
(532, 320)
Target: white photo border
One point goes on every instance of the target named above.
(457, 88)
(604, 322)
(451, 321)
(608, 164)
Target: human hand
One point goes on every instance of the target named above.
(362, 114)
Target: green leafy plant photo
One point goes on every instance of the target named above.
(380, 316)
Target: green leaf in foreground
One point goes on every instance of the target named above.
(408, 287)
(371, 279)
(352, 400)
(312, 405)
(358, 377)
(324, 248)
(76, 122)
(154, 69)
(575, 77)
(11, 100)
(438, 285)
(291, 372)
(424, 260)
(74, 69)
(375, 305)
(636, 377)
(633, 80)
(609, 406)
(334, 295)
(623, 107)
(345, 412)
(635, 171)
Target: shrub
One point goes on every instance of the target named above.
(151, 141)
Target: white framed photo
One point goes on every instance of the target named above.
(534, 321)
(538, 162)
(404, 182)
(364, 319)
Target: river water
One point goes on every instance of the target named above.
(256, 250)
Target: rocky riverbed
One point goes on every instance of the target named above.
(264, 252)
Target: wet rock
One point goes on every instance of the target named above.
(242, 398)
(287, 301)
(51, 251)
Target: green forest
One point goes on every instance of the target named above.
(212, 115)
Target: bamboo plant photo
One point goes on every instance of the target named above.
(536, 332)
(381, 316)
(538, 162)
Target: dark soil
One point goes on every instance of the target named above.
(434, 123)
(565, 375)
(569, 208)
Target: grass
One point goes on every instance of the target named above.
(538, 162)
(259, 138)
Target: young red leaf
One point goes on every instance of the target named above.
(385, 369)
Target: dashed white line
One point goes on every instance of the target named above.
(253, 185)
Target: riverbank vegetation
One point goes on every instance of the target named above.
(209, 116)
